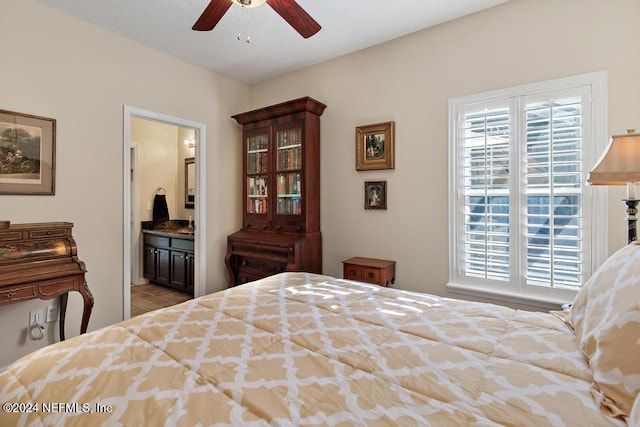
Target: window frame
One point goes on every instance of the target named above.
(594, 143)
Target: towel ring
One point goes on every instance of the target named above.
(161, 191)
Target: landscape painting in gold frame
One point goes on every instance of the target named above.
(27, 154)
(375, 146)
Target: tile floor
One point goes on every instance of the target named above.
(151, 297)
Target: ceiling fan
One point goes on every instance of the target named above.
(290, 11)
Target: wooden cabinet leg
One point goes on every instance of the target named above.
(86, 312)
(63, 313)
(88, 306)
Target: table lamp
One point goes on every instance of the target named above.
(620, 165)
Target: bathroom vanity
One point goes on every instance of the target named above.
(168, 256)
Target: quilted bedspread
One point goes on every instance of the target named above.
(310, 350)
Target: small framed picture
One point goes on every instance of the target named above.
(27, 154)
(375, 195)
(375, 146)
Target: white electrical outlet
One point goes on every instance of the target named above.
(36, 317)
(149, 206)
(52, 313)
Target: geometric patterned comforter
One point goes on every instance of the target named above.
(299, 349)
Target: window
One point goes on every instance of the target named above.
(524, 226)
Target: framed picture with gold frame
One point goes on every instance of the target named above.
(375, 146)
(27, 154)
(375, 195)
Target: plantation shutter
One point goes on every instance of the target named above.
(553, 184)
(521, 191)
(524, 226)
(486, 180)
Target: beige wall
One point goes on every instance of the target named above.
(158, 159)
(60, 67)
(410, 80)
(161, 152)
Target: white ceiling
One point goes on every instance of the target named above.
(276, 48)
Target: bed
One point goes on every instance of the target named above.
(300, 349)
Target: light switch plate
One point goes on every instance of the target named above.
(52, 313)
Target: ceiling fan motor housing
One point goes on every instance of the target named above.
(250, 3)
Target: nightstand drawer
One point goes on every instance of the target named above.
(371, 275)
(351, 272)
(370, 270)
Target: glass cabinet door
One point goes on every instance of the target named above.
(257, 178)
(289, 171)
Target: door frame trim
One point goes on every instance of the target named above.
(200, 246)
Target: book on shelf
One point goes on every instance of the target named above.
(282, 188)
(290, 158)
(257, 162)
(258, 206)
(256, 143)
(289, 206)
(294, 183)
(257, 186)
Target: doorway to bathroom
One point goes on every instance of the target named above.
(162, 157)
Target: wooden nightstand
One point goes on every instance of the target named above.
(370, 270)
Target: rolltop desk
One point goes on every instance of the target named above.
(41, 261)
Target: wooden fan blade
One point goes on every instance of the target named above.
(296, 16)
(212, 15)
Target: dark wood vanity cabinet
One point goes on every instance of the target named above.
(181, 268)
(168, 261)
(156, 262)
(281, 192)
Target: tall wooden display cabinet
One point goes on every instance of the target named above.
(281, 192)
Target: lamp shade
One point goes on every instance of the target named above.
(620, 162)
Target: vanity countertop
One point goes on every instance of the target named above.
(175, 228)
(177, 233)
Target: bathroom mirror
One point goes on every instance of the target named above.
(189, 182)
